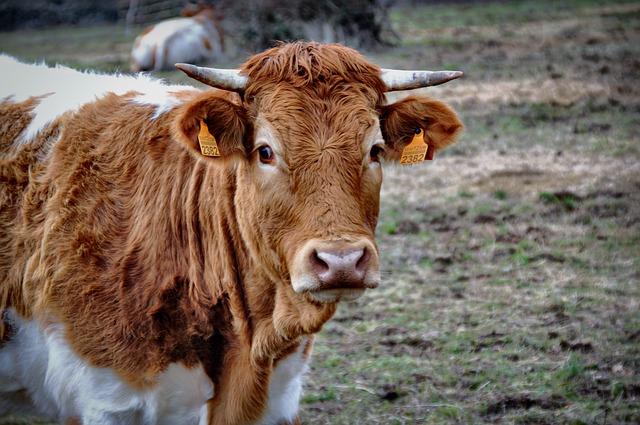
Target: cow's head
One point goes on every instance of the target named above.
(309, 132)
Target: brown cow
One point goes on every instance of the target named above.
(145, 281)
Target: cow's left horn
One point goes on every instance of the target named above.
(408, 80)
(226, 79)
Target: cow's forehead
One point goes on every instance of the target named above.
(336, 108)
(313, 68)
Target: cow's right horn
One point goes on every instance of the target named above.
(226, 79)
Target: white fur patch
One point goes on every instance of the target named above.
(285, 386)
(62, 385)
(68, 90)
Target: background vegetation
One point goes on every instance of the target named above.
(511, 262)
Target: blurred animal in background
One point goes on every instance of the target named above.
(195, 37)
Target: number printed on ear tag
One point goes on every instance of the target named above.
(208, 144)
(415, 151)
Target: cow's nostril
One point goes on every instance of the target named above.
(319, 265)
(363, 262)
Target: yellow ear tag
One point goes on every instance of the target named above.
(415, 151)
(208, 145)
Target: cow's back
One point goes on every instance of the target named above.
(68, 169)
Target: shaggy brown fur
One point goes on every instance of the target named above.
(151, 254)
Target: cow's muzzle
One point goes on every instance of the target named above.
(335, 271)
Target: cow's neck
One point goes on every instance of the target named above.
(267, 313)
(268, 319)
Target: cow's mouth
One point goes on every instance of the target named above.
(335, 295)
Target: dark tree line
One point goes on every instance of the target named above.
(255, 24)
(16, 14)
(357, 23)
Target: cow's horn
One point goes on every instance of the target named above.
(226, 79)
(407, 80)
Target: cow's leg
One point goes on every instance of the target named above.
(23, 364)
(285, 386)
(14, 402)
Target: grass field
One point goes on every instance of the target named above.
(511, 263)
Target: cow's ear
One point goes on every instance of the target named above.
(213, 126)
(401, 121)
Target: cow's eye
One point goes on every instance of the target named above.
(376, 150)
(266, 154)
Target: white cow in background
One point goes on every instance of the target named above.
(195, 37)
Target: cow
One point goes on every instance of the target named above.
(167, 253)
(197, 36)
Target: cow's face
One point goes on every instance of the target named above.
(309, 173)
(314, 177)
